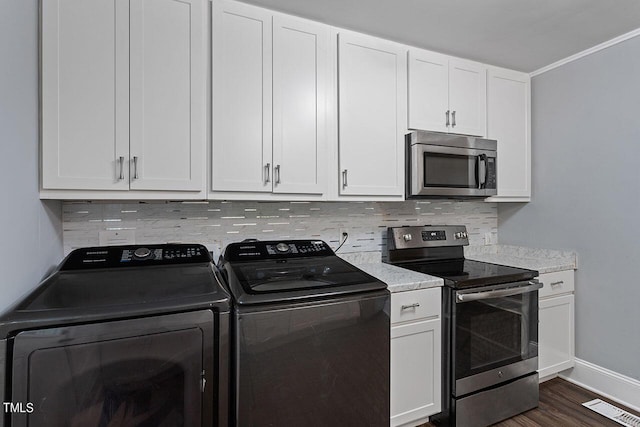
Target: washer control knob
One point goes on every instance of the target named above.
(282, 247)
(407, 237)
(142, 252)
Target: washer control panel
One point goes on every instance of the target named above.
(124, 256)
(254, 250)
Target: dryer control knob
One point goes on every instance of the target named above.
(142, 252)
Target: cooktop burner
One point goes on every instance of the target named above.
(463, 273)
(437, 250)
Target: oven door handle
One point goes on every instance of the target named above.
(533, 285)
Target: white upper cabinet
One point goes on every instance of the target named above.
(509, 122)
(167, 94)
(85, 95)
(468, 97)
(269, 85)
(299, 90)
(372, 115)
(123, 99)
(241, 98)
(428, 91)
(446, 94)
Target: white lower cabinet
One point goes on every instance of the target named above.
(556, 323)
(415, 356)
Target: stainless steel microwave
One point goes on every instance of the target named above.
(448, 165)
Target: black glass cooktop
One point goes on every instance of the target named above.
(464, 273)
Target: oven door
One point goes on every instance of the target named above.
(495, 335)
(452, 171)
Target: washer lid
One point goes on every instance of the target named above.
(253, 282)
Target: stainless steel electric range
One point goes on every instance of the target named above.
(490, 326)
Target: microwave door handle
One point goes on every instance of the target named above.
(533, 285)
(482, 162)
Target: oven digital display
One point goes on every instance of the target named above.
(428, 236)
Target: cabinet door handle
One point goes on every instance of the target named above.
(447, 114)
(407, 307)
(558, 283)
(267, 173)
(121, 162)
(276, 170)
(453, 119)
(135, 167)
(344, 178)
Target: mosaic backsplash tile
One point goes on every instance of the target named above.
(215, 223)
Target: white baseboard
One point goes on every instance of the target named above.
(610, 384)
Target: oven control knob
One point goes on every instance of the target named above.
(461, 235)
(282, 247)
(142, 252)
(407, 237)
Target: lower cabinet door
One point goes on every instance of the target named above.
(556, 335)
(415, 372)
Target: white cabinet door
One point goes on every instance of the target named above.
(168, 131)
(556, 335)
(242, 84)
(415, 372)
(468, 97)
(85, 97)
(509, 100)
(372, 115)
(299, 90)
(428, 90)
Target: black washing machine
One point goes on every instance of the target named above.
(310, 337)
(122, 335)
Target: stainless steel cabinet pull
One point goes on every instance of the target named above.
(344, 178)
(447, 113)
(407, 307)
(560, 282)
(135, 167)
(121, 162)
(453, 119)
(277, 172)
(267, 172)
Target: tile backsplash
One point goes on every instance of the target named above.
(215, 223)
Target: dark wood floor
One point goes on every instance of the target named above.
(561, 405)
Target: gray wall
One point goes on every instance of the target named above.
(30, 230)
(586, 195)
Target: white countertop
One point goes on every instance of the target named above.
(399, 279)
(542, 260)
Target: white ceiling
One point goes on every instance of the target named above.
(521, 34)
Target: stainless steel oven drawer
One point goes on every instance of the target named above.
(496, 404)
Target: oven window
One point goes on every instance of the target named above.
(448, 170)
(495, 332)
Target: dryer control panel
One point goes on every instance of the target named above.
(135, 255)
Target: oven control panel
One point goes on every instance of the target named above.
(129, 256)
(427, 236)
